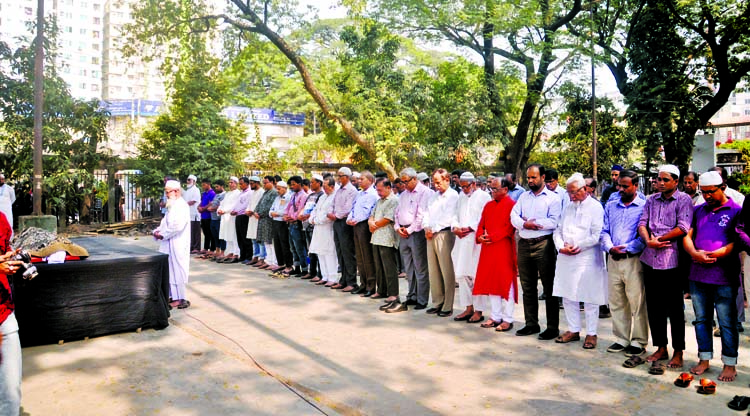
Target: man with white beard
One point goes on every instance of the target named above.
(466, 251)
(174, 233)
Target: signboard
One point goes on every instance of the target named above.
(149, 108)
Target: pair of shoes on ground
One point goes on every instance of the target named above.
(546, 335)
(629, 351)
(394, 307)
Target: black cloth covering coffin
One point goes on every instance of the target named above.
(119, 287)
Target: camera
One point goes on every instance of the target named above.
(29, 270)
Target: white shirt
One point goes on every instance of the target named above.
(735, 196)
(469, 209)
(193, 194)
(545, 208)
(441, 210)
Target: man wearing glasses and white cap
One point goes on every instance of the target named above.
(174, 233)
(664, 222)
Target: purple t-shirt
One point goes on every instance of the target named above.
(712, 230)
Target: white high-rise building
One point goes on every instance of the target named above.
(79, 60)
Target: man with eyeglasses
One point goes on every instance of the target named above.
(535, 216)
(664, 222)
(174, 234)
(620, 239)
(714, 274)
(343, 233)
(413, 243)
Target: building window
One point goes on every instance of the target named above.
(94, 74)
(95, 60)
(97, 6)
(94, 87)
(95, 34)
(95, 46)
(97, 20)
(82, 85)
(82, 31)
(28, 10)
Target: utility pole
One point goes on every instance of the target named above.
(38, 106)
(594, 162)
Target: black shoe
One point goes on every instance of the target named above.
(368, 293)
(411, 302)
(420, 306)
(528, 330)
(296, 273)
(463, 318)
(604, 312)
(740, 328)
(360, 290)
(397, 307)
(435, 310)
(549, 334)
(616, 347)
(445, 313)
(541, 297)
(634, 350)
(387, 305)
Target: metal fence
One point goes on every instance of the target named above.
(131, 206)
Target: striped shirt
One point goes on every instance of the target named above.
(660, 216)
(621, 225)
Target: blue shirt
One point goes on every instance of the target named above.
(621, 225)
(515, 193)
(363, 205)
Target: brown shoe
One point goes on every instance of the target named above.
(567, 337)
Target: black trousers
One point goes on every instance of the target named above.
(281, 245)
(208, 239)
(314, 265)
(195, 235)
(240, 225)
(536, 260)
(343, 238)
(363, 255)
(386, 270)
(664, 301)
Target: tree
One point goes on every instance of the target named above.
(528, 35)
(192, 136)
(73, 129)
(570, 151)
(704, 60)
(161, 21)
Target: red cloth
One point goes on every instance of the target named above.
(498, 266)
(6, 299)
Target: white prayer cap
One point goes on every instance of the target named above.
(282, 184)
(355, 175)
(345, 171)
(467, 176)
(318, 177)
(711, 178)
(255, 179)
(172, 184)
(576, 178)
(234, 179)
(674, 170)
(421, 176)
(192, 178)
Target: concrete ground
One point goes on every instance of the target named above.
(343, 356)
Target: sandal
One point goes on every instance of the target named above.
(184, 304)
(707, 386)
(506, 329)
(567, 337)
(476, 321)
(491, 324)
(739, 403)
(657, 368)
(633, 362)
(590, 342)
(684, 381)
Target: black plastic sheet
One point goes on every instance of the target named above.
(120, 287)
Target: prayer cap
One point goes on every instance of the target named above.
(711, 178)
(234, 179)
(192, 178)
(356, 175)
(282, 184)
(617, 168)
(674, 170)
(318, 177)
(345, 171)
(255, 178)
(172, 184)
(421, 176)
(467, 176)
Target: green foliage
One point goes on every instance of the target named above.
(192, 137)
(743, 178)
(72, 128)
(571, 150)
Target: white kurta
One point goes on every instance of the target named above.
(466, 251)
(252, 222)
(193, 194)
(7, 198)
(227, 231)
(322, 239)
(175, 228)
(581, 277)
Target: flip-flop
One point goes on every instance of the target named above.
(491, 324)
(470, 321)
(633, 361)
(657, 368)
(739, 403)
(500, 328)
(684, 381)
(707, 386)
(567, 337)
(590, 342)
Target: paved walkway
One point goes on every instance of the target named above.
(345, 357)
